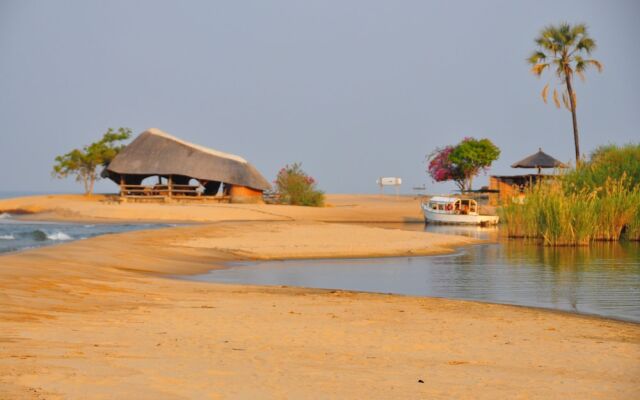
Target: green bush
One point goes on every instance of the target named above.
(295, 187)
(606, 162)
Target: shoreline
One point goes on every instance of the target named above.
(592, 316)
(225, 265)
(234, 258)
(106, 310)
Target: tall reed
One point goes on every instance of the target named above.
(632, 231)
(617, 205)
(600, 200)
(561, 217)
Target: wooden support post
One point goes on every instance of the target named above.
(121, 185)
(170, 184)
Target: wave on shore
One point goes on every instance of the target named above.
(18, 235)
(40, 236)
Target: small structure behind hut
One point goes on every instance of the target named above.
(506, 187)
(184, 172)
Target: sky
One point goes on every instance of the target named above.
(353, 90)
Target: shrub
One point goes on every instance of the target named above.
(295, 187)
(606, 162)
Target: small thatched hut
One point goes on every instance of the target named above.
(506, 187)
(184, 171)
(539, 160)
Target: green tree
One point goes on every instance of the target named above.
(83, 163)
(472, 156)
(566, 48)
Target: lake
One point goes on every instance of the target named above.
(16, 234)
(602, 279)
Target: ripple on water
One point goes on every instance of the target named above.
(602, 279)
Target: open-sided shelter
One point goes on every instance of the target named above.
(176, 164)
(539, 160)
(505, 187)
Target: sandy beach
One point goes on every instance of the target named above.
(340, 208)
(100, 318)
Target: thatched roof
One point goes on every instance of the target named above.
(155, 152)
(539, 160)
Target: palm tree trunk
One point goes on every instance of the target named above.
(576, 139)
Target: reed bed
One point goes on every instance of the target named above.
(600, 200)
(633, 228)
(562, 215)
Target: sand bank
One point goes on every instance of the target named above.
(341, 208)
(97, 319)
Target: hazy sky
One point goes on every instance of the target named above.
(352, 89)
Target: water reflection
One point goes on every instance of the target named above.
(478, 232)
(602, 279)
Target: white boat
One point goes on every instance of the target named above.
(454, 210)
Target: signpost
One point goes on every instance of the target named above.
(389, 181)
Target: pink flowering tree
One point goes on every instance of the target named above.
(295, 187)
(441, 168)
(462, 162)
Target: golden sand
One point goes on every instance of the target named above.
(97, 319)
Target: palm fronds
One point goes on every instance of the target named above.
(556, 101)
(565, 46)
(545, 92)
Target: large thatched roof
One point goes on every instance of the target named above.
(539, 160)
(155, 152)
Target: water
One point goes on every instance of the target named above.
(8, 194)
(5, 194)
(602, 279)
(18, 235)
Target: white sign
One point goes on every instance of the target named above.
(389, 181)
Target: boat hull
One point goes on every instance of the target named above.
(431, 217)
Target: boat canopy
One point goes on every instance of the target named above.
(442, 199)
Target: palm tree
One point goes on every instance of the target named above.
(566, 48)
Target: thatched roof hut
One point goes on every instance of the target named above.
(505, 187)
(156, 153)
(539, 160)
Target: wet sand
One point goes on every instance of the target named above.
(98, 318)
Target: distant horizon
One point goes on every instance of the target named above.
(353, 90)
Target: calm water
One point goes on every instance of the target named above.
(603, 279)
(18, 235)
(10, 194)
